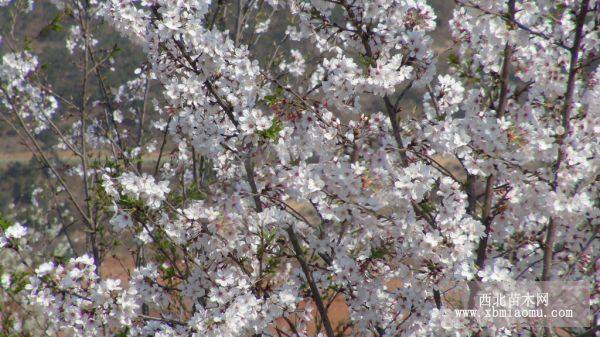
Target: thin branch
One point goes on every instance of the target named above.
(45, 160)
(512, 21)
(162, 146)
(566, 123)
(311, 282)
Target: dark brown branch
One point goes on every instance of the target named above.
(566, 123)
(504, 77)
(162, 146)
(311, 282)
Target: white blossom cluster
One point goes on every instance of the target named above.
(144, 188)
(28, 101)
(313, 197)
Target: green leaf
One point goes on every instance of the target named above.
(453, 59)
(276, 97)
(19, 281)
(378, 252)
(272, 132)
(169, 272)
(366, 61)
(4, 223)
(428, 206)
(127, 202)
(54, 25)
(195, 193)
(57, 27)
(115, 50)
